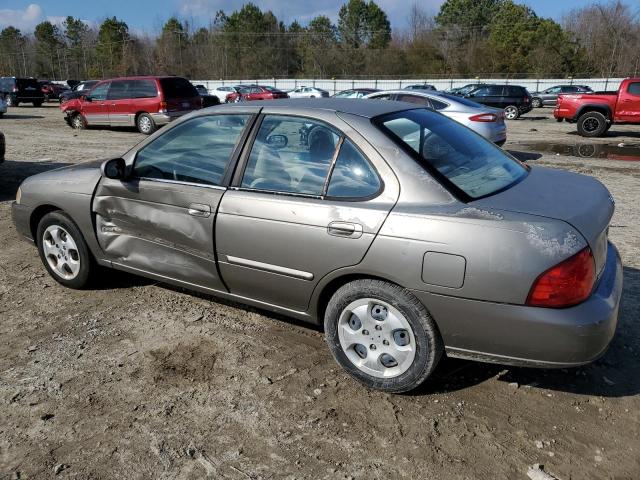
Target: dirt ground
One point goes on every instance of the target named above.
(139, 380)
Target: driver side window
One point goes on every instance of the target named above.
(100, 92)
(197, 151)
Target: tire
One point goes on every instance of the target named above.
(536, 103)
(46, 98)
(387, 313)
(592, 124)
(37, 104)
(76, 121)
(63, 250)
(145, 124)
(11, 102)
(559, 120)
(511, 112)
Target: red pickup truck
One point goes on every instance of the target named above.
(596, 112)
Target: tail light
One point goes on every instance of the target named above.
(527, 99)
(163, 107)
(15, 89)
(484, 117)
(568, 283)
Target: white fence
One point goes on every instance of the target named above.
(333, 86)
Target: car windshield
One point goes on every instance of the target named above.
(456, 155)
(467, 88)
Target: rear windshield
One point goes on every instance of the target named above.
(272, 89)
(177, 87)
(27, 82)
(463, 160)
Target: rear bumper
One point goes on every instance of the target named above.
(164, 118)
(21, 215)
(562, 113)
(531, 336)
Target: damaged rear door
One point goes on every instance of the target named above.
(161, 219)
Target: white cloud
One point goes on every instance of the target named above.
(25, 19)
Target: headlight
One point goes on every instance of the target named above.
(18, 195)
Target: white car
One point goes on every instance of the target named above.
(3, 105)
(308, 92)
(222, 92)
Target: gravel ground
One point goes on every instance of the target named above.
(140, 380)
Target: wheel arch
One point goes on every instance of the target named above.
(38, 213)
(600, 108)
(326, 291)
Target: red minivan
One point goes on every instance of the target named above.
(246, 93)
(143, 102)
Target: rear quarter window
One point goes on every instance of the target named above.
(634, 88)
(177, 87)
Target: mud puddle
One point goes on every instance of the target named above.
(623, 152)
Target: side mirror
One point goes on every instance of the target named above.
(114, 169)
(277, 141)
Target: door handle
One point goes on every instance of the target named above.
(345, 229)
(626, 100)
(199, 210)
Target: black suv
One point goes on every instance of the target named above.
(513, 99)
(21, 90)
(550, 95)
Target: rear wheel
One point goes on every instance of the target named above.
(592, 124)
(382, 335)
(145, 124)
(63, 250)
(536, 103)
(511, 112)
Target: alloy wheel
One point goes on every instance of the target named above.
(511, 113)
(144, 123)
(61, 252)
(377, 338)
(591, 124)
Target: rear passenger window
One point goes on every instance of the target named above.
(142, 89)
(353, 176)
(634, 88)
(438, 105)
(291, 155)
(418, 100)
(196, 151)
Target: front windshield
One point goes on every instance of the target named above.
(454, 153)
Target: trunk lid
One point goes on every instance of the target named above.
(579, 200)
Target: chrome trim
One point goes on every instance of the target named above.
(180, 182)
(267, 267)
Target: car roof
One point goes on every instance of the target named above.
(362, 108)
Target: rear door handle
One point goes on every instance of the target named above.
(199, 210)
(345, 229)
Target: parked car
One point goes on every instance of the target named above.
(401, 230)
(420, 86)
(513, 99)
(355, 93)
(208, 100)
(550, 95)
(21, 90)
(222, 92)
(487, 121)
(595, 113)
(461, 91)
(248, 93)
(143, 102)
(307, 92)
(3, 105)
(51, 90)
(78, 90)
(3, 147)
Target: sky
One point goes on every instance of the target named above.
(148, 15)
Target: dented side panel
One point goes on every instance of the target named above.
(146, 224)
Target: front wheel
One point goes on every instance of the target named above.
(63, 250)
(145, 124)
(382, 335)
(592, 124)
(536, 103)
(511, 112)
(77, 121)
